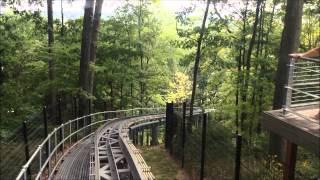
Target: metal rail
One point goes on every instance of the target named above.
(47, 163)
(140, 168)
(115, 156)
(303, 87)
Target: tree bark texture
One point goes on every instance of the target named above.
(85, 56)
(290, 42)
(248, 62)
(51, 70)
(94, 38)
(196, 65)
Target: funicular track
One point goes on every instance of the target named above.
(96, 146)
(115, 157)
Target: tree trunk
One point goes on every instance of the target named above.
(237, 90)
(248, 62)
(154, 135)
(85, 57)
(241, 64)
(52, 91)
(290, 42)
(94, 38)
(140, 51)
(62, 19)
(261, 79)
(196, 65)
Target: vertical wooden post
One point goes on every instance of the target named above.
(290, 160)
(238, 157)
(26, 144)
(183, 134)
(203, 145)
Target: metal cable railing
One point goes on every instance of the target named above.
(303, 87)
(45, 159)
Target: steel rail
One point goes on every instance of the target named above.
(110, 143)
(146, 124)
(38, 151)
(141, 169)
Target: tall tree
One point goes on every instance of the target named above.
(85, 57)
(248, 62)
(240, 59)
(140, 52)
(290, 42)
(197, 62)
(62, 19)
(94, 38)
(52, 90)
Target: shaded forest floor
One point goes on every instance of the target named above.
(162, 165)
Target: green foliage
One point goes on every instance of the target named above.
(180, 88)
(145, 57)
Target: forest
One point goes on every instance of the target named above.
(215, 54)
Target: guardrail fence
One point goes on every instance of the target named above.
(212, 149)
(47, 156)
(303, 87)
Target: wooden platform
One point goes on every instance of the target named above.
(301, 127)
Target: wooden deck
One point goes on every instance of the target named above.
(301, 126)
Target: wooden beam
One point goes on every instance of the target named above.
(293, 128)
(290, 161)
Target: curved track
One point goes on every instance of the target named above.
(109, 155)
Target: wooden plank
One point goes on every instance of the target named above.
(293, 128)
